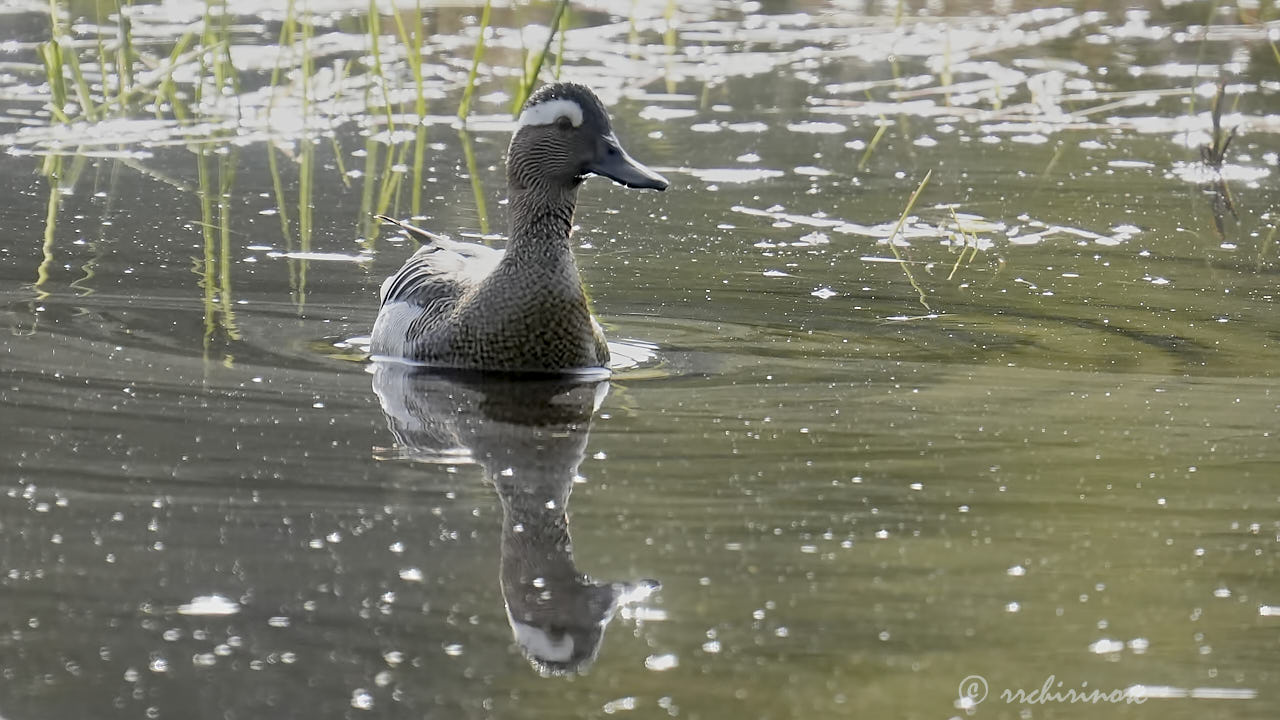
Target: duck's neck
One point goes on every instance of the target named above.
(541, 219)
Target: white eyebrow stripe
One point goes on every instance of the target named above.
(545, 113)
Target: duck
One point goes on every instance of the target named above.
(523, 308)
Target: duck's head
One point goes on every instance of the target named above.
(564, 134)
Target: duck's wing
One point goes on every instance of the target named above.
(440, 270)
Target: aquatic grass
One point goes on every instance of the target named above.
(60, 59)
(669, 41)
(364, 220)
(343, 69)
(306, 185)
(106, 80)
(1265, 245)
(288, 28)
(207, 268)
(90, 265)
(964, 240)
(166, 91)
(1058, 151)
(375, 32)
(669, 30)
(882, 126)
(54, 58)
(533, 65)
(392, 177)
(61, 179)
(1215, 153)
(564, 28)
(897, 228)
(51, 56)
(413, 50)
(226, 176)
(412, 41)
(277, 187)
(1204, 44)
(213, 268)
(124, 56)
(52, 169)
(464, 108)
(946, 77)
(216, 75)
(382, 178)
(473, 172)
(419, 162)
(290, 31)
(388, 181)
(83, 95)
(633, 28)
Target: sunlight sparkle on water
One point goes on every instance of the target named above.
(211, 605)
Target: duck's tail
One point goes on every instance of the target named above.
(425, 237)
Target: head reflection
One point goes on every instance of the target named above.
(529, 436)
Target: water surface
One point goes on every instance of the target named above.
(862, 465)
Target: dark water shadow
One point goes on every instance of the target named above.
(529, 435)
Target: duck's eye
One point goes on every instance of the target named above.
(564, 123)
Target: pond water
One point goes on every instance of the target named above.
(1031, 436)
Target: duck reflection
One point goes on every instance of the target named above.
(529, 436)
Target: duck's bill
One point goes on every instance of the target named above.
(614, 163)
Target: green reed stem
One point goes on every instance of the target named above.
(277, 186)
(669, 34)
(53, 170)
(964, 240)
(875, 140)
(413, 45)
(473, 172)
(1195, 77)
(391, 178)
(85, 97)
(124, 56)
(902, 219)
(368, 178)
(412, 42)
(419, 164)
(375, 30)
(226, 176)
(308, 70)
(464, 108)
(288, 29)
(564, 27)
(209, 267)
(531, 75)
(166, 90)
(306, 186)
(51, 55)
